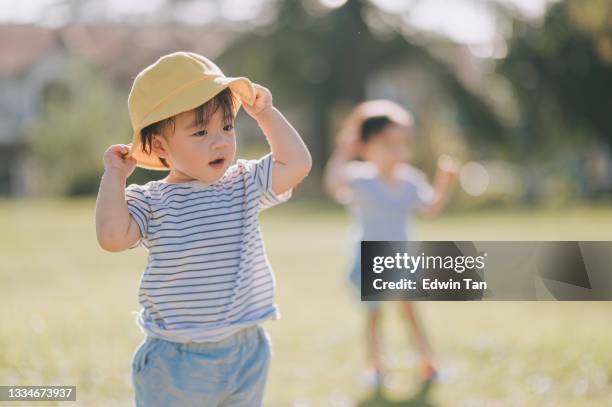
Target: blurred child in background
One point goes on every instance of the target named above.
(383, 192)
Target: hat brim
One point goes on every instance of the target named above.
(186, 100)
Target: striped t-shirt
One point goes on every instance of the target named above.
(207, 274)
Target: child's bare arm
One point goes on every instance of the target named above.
(116, 230)
(444, 181)
(334, 177)
(292, 160)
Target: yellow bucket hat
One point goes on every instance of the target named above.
(173, 84)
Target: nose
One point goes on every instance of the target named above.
(219, 141)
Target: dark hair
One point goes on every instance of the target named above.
(372, 126)
(203, 113)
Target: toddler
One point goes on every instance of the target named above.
(207, 285)
(383, 191)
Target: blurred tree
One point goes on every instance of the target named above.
(323, 59)
(78, 119)
(561, 72)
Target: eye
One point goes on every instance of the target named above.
(201, 133)
(228, 127)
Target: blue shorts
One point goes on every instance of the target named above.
(231, 372)
(354, 278)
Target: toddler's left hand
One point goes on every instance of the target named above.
(448, 169)
(263, 101)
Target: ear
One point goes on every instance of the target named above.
(159, 146)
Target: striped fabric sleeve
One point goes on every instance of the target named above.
(261, 172)
(139, 208)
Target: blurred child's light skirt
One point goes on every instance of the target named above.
(231, 372)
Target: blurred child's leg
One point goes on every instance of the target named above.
(372, 332)
(428, 369)
(374, 338)
(374, 374)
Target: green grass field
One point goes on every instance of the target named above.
(67, 315)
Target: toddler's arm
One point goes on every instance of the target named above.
(292, 160)
(444, 181)
(334, 178)
(116, 230)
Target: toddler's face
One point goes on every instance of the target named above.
(388, 148)
(199, 152)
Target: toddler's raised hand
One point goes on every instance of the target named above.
(348, 143)
(263, 101)
(448, 169)
(117, 162)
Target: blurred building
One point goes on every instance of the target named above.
(34, 64)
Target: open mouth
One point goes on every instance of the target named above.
(217, 163)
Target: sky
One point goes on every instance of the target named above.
(464, 21)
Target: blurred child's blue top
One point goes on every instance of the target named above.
(382, 211)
